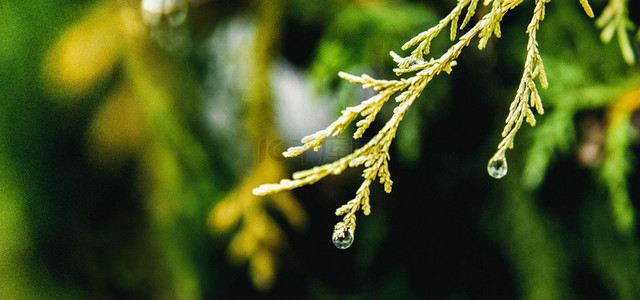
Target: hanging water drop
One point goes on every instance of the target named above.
(415, 62)
(343, 241)
(497, 166)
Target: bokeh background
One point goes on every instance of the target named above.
(132, 133)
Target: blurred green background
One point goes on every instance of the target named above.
(132, 133)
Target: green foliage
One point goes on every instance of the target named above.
(615, 20)
(579, 89)
(374, 155)
(358, 37)
(112, 184)
(615, 168)
(586, 85)
(582, 87)
(361, 35)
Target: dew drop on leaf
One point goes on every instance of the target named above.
(344, 241)
(497, 166)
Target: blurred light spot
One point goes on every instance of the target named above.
(85, 53)
(118, 130)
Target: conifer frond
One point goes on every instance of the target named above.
(587, 8)
(374, 155)
(527, 95)
(615, 20)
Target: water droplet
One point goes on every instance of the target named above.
(497, 166)
(344, 241)
(416, 62)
